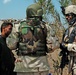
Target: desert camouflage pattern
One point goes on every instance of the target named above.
(72, 51)
(35, 63)
(52, 40)
(52, 44)
(70, 38)
(70, 9)
(13, 39)
(35, 40)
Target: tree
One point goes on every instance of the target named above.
(47, 6)
(73, 1)
(51, 15)
(65, 2)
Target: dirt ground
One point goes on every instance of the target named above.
(54, 61)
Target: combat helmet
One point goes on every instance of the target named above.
(34, 10)
(70, 9)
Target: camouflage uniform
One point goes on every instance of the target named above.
(69, 39)
(36, 39)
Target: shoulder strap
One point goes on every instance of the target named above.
(71, 31)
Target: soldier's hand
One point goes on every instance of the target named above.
(18, 60)
(72, 47)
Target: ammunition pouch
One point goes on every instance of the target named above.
(37, 53)
(23, 50)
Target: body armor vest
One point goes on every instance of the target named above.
(32, 39)
(70, 36)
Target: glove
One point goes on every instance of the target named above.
(71, 47)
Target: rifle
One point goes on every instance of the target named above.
(64, 57)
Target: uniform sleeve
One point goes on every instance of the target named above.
(12, 41)
(72, 47)
(52, 40)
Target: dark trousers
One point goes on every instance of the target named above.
(7, 72)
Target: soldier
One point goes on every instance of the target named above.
(69, 38)
(34, 43)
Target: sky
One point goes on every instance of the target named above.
(16, 9)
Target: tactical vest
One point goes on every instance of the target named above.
(70, 36)
(32, 39)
